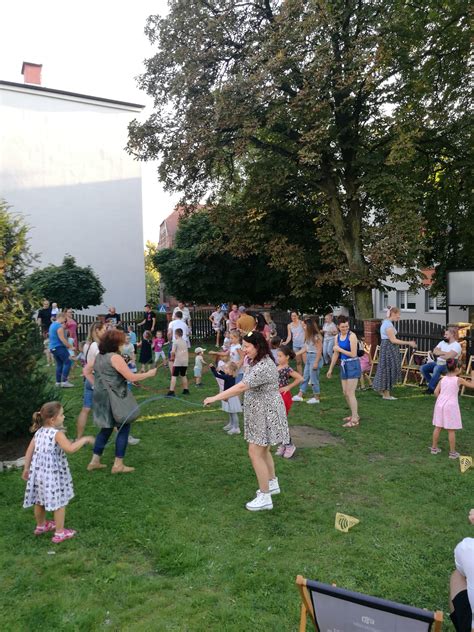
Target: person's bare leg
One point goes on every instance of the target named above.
(172, 383)
(260, 467)
(386, 394)
(270, 463)
(59, 516)
(457, 584)
(40, 515)
(184, 379)
(81, 422)
(351, 386)
(299, 365)
(436, 433)
(452, 440)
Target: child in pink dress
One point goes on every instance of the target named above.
(447, 414)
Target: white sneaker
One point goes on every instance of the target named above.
(58, 384)
(67, 384)
(233, 431)
(313, 400)
(133, 440)
(228, 427)
(296, 398)
(260, 502)
(273, 487)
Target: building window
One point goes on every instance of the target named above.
(383, 300)
(435, 303)
(406, 300)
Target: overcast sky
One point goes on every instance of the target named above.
(93, 47)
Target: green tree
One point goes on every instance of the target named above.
(201, 268)
(341, 105)
(24, 386)
(152, 276)
(68, 285)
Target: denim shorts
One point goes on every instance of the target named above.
(197, 372)
(88, 394)
(350, 369)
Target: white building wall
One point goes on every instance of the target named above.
(64, 168)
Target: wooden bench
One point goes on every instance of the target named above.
(332, 608)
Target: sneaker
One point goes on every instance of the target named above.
(273, 486)
(454, 455)
(170, 394)
(390, 399)
(133, 440)
(198, 385)
(185, 391)
(280, 450)
(435, 450)
(58, 384)
(228, 427)
(233, 431)
(428, 391)
(313, 400)
(289, 451)
(296, 398)
(65, 534)
(260, 502)
(67, 384)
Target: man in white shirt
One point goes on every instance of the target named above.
(178, 323)
(448, 348)
(461, 603)
(181, 307)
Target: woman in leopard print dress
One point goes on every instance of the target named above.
(265, 418)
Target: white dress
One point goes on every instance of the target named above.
(50, 482)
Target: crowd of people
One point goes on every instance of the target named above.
(250, 361)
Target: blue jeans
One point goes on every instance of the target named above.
(63, 363)
(309, 372)
(328, 346)
(432, 373)
(121, 441)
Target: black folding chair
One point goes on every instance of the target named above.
(337, 610)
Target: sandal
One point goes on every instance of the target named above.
(65, 534)
(347, 419)
(353, 423)
(49, 525)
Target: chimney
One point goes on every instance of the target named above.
(31, 72)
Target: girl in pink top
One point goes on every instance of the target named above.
(71, 326)
(447, 413)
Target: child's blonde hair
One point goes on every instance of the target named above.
(48, 411)
(232, 368)
(235, 334)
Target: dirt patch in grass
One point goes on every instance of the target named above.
(309, 437)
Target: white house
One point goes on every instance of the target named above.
(64, 168)
(423, 304)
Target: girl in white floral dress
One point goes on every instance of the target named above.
(46, 470)
(265, 419)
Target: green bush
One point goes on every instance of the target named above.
(24, 385)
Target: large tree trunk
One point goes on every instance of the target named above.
(363, 303)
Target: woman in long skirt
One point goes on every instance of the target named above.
(389, 369)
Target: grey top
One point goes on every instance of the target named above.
(105, 372)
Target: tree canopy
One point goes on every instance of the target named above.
(68, 285)
(318, 119)
(201, 269)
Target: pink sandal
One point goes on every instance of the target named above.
(49, 525)
(65, 534)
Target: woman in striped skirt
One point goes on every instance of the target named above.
(389, 369)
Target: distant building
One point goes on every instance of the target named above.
(423, 304)
(64, 168)
(168, 228)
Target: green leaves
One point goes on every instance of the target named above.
(68, 285)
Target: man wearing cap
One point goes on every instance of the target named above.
(245, 322)
(198, 362)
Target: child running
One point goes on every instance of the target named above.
(232, 405)
(447, 414)
(313, 347)
(158, 344)
(49, 483)
(285, 372)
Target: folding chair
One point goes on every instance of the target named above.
(375, 361)
(415, 367)
(336, 609)
(468, 376)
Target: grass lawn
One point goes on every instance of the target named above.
(172, 548)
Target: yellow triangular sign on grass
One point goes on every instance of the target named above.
(344, 522)
(465, 462)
